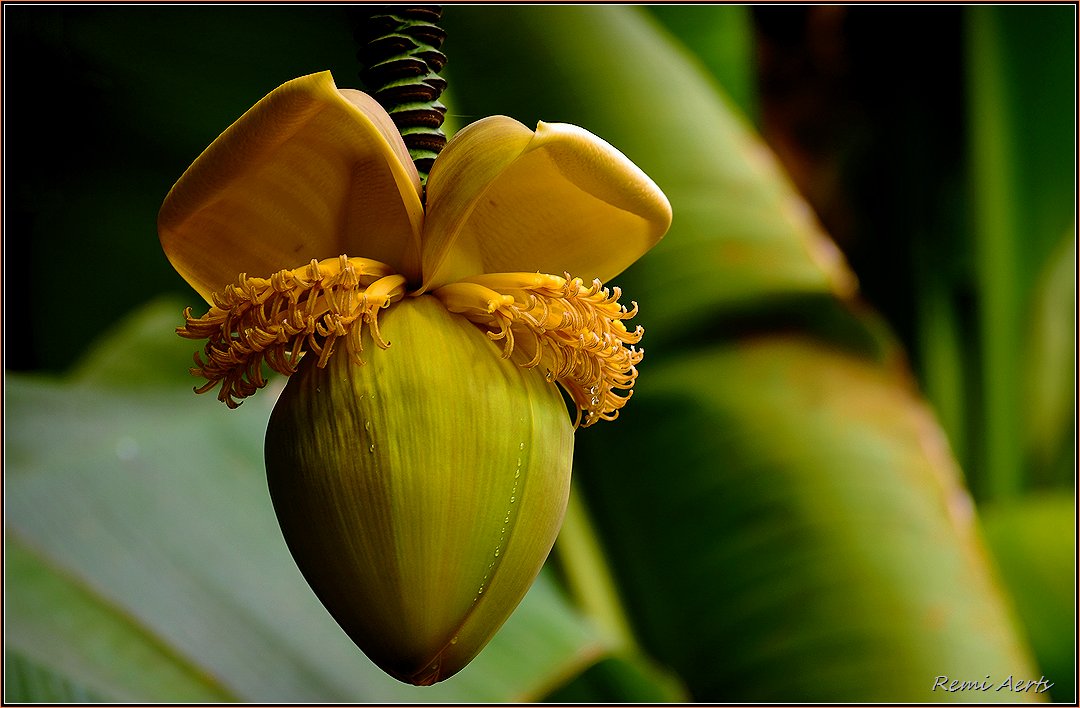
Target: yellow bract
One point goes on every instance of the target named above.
(309, 172)
(502, 198)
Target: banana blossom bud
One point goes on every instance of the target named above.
(418, 486)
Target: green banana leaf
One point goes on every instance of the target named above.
(1049, 384)
(1034, 541)
(1022, 118)
(721, 38)
(817, 523)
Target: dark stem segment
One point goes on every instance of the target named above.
(401, 59)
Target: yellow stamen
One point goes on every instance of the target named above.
(276, 319)
(577, 332)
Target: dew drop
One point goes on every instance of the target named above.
(371, 447)
(454, 640)
(517, 473)
(521, 445)
(513, 499)
(496, 552)
(367, 426)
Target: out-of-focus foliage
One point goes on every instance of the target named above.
(1023, 187)
(778, 515)
(1034, 541)
(721, 37)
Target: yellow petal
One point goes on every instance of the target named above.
(503, 199)
(310, 172)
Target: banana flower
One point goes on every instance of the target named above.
(419, 487)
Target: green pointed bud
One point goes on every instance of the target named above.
(421, 491)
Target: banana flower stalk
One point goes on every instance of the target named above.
(418, 486)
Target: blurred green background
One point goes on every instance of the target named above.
(848, 469)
